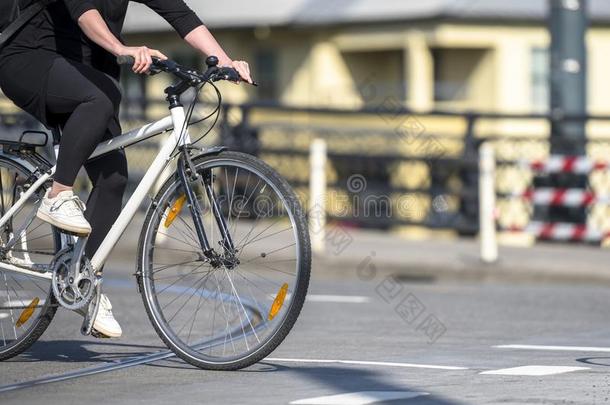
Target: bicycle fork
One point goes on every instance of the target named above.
(188, 175)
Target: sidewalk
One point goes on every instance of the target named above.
(353, 253)
(459, 260)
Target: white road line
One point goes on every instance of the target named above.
(534, 370)
(555, 348)
(343, 299)
(366, 363)
(360, 398)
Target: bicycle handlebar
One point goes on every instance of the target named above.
(192, 76)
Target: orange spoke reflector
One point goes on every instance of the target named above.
(278, 302)
(176, 208)
(27, 312)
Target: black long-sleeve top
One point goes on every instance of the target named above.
(56, 29)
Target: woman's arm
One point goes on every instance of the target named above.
(191, 28)
(94, 26)
(202, 39)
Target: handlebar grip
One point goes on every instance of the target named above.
(126, 60)
(230, 74)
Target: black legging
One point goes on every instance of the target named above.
(85, 103)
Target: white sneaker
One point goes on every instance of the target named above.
(65, 211)
(105, 326)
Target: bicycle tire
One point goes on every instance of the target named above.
(304, 267)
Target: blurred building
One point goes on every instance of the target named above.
(489, 55)
(428, 55)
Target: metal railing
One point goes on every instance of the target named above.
(387, 167)
(426, 175)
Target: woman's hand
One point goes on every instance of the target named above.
(242, 68)
(142, 55)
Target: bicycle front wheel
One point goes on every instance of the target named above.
(229, 315)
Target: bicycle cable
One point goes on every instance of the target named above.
(187, 122)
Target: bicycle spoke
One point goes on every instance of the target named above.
(171, 265)
(199, 284)
(8, 296)
(257, 235)
(180, 279)
(178, 240)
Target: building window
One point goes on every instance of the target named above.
(452, 69)
(540, 79)
(378, 76)
(266, 74)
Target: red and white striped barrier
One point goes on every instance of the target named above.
(562, 232)
(565, 197)
(567, 164)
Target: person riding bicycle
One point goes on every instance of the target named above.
(61, 68)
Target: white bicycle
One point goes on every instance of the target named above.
(223, 258)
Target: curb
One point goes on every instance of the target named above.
(475, 271)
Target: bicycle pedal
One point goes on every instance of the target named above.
(70, 233)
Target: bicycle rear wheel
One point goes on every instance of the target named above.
(227, 316)
(27, 304)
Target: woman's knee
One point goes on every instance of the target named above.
(101, 106)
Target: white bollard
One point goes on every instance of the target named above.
(487, 204)
(317, 195)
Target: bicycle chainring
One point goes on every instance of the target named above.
(73, 289)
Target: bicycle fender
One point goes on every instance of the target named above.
(19, 160)
(215, 150)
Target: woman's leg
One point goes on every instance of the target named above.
(108, 174)
(91, 100)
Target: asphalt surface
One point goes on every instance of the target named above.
(364, 338)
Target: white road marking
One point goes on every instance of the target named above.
(366, 363)
(535, 370)
(555, 348)
(344, 299)
(360, 398)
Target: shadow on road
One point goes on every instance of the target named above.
(339, 379)
(595, 361)
(354, 379)
(80, 351)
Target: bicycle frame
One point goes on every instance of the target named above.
(177, 138)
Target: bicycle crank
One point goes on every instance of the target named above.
(91, 311)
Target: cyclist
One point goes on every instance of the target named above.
(61, 68)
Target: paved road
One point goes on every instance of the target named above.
(357, 342)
